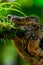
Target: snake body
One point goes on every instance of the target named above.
(27, 34)
(30, 44)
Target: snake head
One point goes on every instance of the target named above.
(28, 24)
(24, 20)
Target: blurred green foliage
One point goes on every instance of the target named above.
(19, 8)
(11, 8)
(25, 3)
(8, 53)
(38, 3)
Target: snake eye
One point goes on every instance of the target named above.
(9, 17)
(41, 44)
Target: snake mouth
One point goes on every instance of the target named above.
(41, 44)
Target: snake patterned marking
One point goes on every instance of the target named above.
(30, 47)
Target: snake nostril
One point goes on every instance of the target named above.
(41, 44)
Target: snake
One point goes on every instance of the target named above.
(27, 34)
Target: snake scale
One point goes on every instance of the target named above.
(29, 38)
